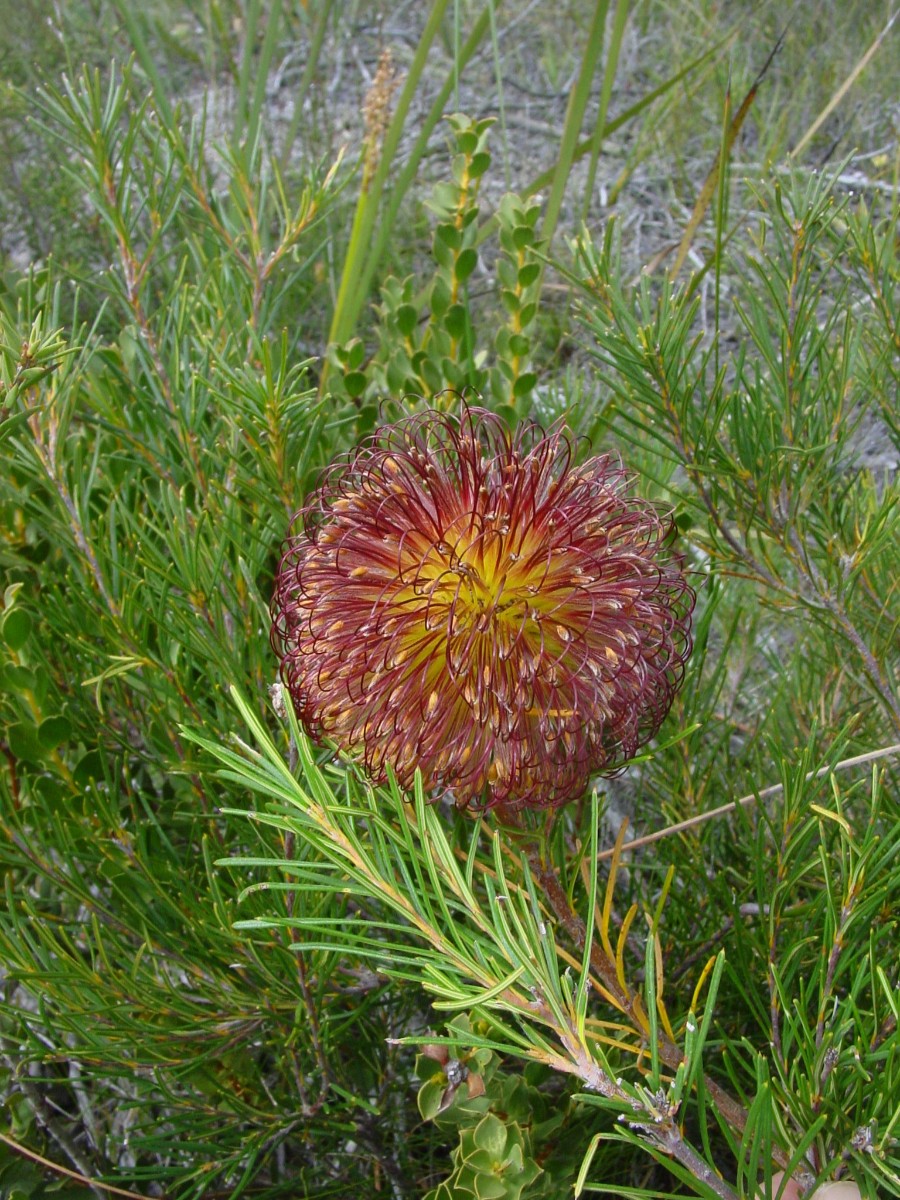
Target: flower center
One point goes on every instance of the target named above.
(475, 587)
(489, 611)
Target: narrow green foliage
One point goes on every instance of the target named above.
(140, 537)
(767, 441)
(229, 965)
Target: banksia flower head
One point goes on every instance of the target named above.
(476, 605)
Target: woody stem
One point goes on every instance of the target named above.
(554, 893)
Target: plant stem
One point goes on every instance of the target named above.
(669, 1138)
(669, 1052)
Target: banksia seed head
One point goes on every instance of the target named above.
(476, 605)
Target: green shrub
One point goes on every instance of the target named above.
(229, 965)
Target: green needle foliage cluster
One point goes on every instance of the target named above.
(229, 965)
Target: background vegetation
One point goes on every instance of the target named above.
(234, 236)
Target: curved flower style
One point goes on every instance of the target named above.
(476, 605)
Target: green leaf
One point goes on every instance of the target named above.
(16, 628)
(459, 168)
(528, 274)
(355, 353)
(464, 1183)
(399, 375)
(444, 255)
(430, 1095)
(53, 791)
(479, 164)
(440, 298)
(432, 375)
(17, 679)
(523, 237)
(355, 383)
(481, 1161)
(487, 1187)
(507, 274)
(448, 235)
(407, 318)
(366, 420)
(455, 320)
(527, 314)
(524, 385)
(466, 262)
(11, 424)
(444, 199)
(454, 374)
(53, 731)
(89, 768)
(443, 1192)
(24, 742)
(10, 593)
(490, 1136)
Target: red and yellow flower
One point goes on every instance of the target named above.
(479, 606)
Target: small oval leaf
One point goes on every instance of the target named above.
(23, 742)
(466, 262)
(528, 274)
(355, 383)
(17, 679)
(53, 731)
(524, 385)
(17, 626)
(407, 318)
(455, 320)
